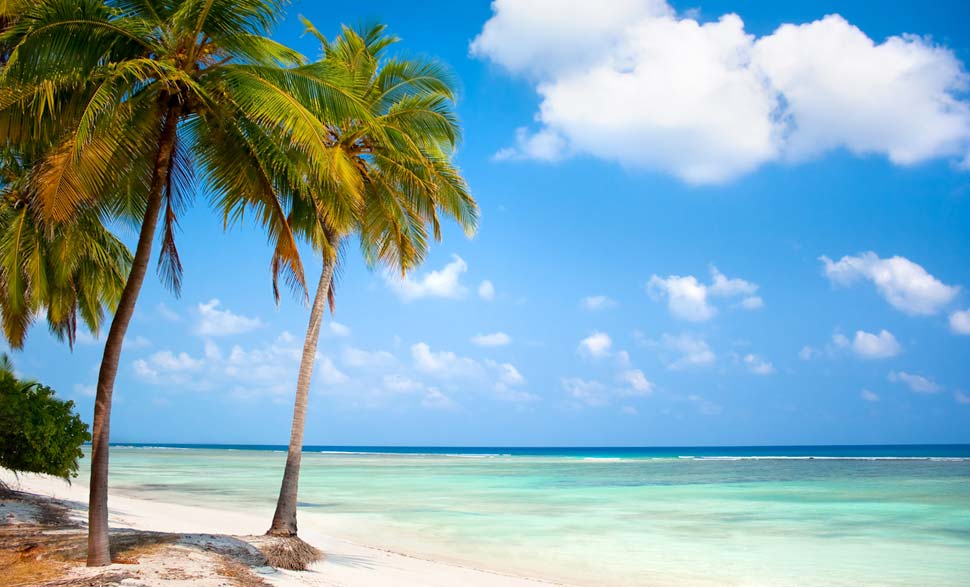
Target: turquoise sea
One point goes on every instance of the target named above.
(729, 516)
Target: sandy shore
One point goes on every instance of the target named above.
(205, 540)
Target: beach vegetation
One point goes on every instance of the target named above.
(39, 433)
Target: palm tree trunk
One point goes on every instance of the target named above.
(99, 553)
(284, 520)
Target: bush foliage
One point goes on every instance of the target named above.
(38, 432)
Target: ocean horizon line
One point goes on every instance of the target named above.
(805, 451)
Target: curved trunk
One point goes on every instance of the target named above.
(284, 520)
(99, 553)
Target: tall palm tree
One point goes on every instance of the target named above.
(75, 268)
(403, 160)
(139, 96)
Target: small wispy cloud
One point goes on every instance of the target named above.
(337, 329)
(440, 283)
(216, 322)
(757, 365)
(486, 290)
(917, 383)
(688, 350)
(595, 303)
(584, 391)
(491, 340)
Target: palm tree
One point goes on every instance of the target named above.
(9, 10)
(403, 161)
(135, 97)
(79, 268)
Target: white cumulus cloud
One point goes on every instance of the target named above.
(541, 37)
(869, 396)
(686, 297)
(903, 283)
(632, 82)
(267, 369)
(874, 346)
(637, 383)
(722, 285)
(504, 378)
(960, 322)
(162, 363)
(689, 299)
(898, 98)
(441, 283)
(445, 364)
(596, 345)
(508, 374)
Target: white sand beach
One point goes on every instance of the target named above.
(205, 530)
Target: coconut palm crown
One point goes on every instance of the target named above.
(75, 269)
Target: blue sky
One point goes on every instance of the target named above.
(659, 185)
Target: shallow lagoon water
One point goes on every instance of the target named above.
(721, 517)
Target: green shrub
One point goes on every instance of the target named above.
(38, 432)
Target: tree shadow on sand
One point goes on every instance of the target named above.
(43, 543)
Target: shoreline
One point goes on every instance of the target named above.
(345, 563)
